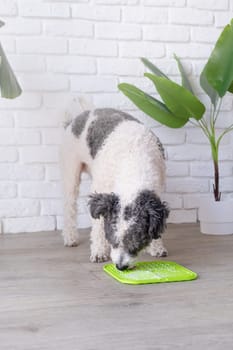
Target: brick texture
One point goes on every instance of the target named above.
(63, 47)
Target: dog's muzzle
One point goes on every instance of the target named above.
(122, 267)
(122, 259)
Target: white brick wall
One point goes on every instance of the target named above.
(63, 47)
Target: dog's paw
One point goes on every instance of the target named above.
(157, 249)
(71, 243)
(160, 253)
(70, 240)
(98, 258)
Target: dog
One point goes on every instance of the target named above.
(126, 163)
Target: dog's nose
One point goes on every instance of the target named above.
(122, 267)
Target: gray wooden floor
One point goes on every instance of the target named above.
(52, 298)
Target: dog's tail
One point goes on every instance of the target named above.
(76, 106)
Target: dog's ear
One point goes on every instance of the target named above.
(102, 204)
(158, 213)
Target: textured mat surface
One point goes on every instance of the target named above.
(151, 272)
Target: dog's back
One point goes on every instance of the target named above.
(93, 129)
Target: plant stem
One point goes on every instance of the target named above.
(230, 128)
(217, 194)
(209, 131)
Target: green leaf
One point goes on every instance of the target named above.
(181, 102)
(9, 86)
(153, 68)
(213, 95)
(231, 88)
(219, 68)
(152, 107)
(185, 81)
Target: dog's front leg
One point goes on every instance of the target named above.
(100, 248)
(156, 248)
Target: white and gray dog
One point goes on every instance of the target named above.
(126, 163)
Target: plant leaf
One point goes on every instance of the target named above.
(213, 95)
(151, 106)
(153, 68)
(9, 85)
(231, 88)
(181, 102)
(185, 81)
(219, 68)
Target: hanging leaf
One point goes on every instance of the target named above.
(153, 68)
(179, 100)
(185, 81)
(9, 85)
(151, 106)
(218, 71)
(213, 95)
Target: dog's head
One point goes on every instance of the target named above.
(130, 227)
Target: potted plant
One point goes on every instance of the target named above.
(180, 105)
(9, 85)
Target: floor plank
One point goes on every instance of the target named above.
(52, 297)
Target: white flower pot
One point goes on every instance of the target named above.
(216, 218)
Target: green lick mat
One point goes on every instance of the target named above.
(151, 272)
